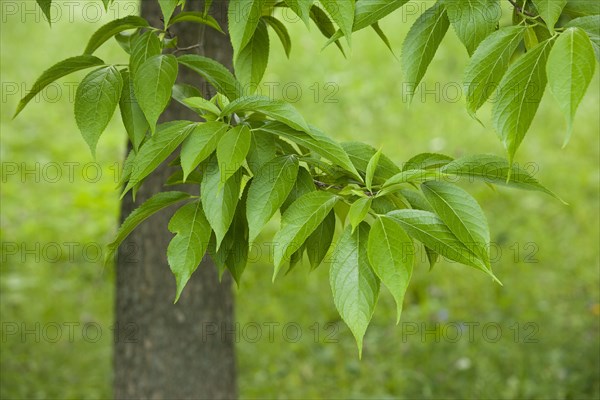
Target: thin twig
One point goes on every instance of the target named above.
(186, 48)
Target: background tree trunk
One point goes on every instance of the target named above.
(162, 350)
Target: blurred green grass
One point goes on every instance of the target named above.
(546, 254)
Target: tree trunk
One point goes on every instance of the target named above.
(165, 350)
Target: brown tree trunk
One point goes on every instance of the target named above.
(165, 350)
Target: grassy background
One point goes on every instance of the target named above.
(536, 337)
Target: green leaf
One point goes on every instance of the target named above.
(276, 109)
(125, 40)
(55, 72)
(358, 211)
(251, 63)
(591, 26)
(430, 230)
(550, 11)
(316, 141)
(422, 42)
(473, 20)
(95, 102)
(214, 73)
(140, 214)
(269, 189)
(144, 47)
(304, 184)
(580, 8)
(321, 19)
(519, 95)
(391, 254)
(157, 148)
(219, 200)
(232, 150)
(298, 222)
(281, 31)
(360, 154)
(262, 150)
(301, 8)
(383, 37)
(187, 248)
(463, 216)
(167, 7)
(370, 11)
(200, 144)
(371, 168)
(427, 161)
(197, 17)
(238, 237)
(111, 29)
(200, 105)
(153, 83)
(489, 64)
(133, 118)
(342, 13)
(45, 6)
(354, 285)
(319, 242)
(243, 17)
(570, 70)
(494, 170)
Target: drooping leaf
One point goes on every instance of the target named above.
(281, 31)
(46, 6)
(197, 17)
(262, 150)
(219, 201)
(430, 230)
(494, 170)
(383, 37)
(232, 150)
(111, 29)
(581, 8)
(421, 44)
(321, 19)
(570, 70)
(489, 64)
(126, 39)
(145, 46)
(270, 188)
(301, 8)
(187, 248)
(550, 11)
(238, 236)
(391, 254)
(157, 148)
(304, 184)
(319, 242)
(462, 215)
(95, 102)
(276, 109)
(298, 222)
(133, 118)
(591, 26)
(200, 144)
(243, 17)
(150, 207)
(342, 13)
(251, 63)
(358, 211)
(167, 7)
(316, 141)
(200, 105)
(412, 176)
(473, 20)
(153, 83)
(369, 12)
(55, 72)
(519, 95)
(354, 285)
(214, 73)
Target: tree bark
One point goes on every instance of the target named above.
(164, 350)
